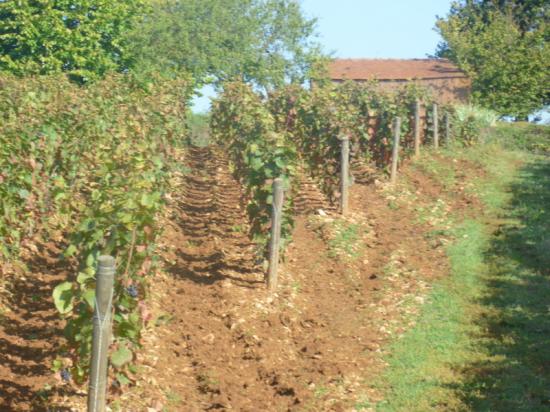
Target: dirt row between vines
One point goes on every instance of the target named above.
(31, 331)
(228, 344)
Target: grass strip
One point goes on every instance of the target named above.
(482, 340)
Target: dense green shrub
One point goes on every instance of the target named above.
(471, 123)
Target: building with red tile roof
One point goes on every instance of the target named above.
(446, 81)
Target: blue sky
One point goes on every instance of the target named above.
(375, 28)
(372, 29)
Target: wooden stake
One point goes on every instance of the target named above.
(344, 175)
(395, 153)
(436, 126)
(275, 241)
(417, 128)
(447, 129)
(102, 334)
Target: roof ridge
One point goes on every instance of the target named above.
(357, 68)
(390, 58)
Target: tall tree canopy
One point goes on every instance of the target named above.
(266, 42)
(82, 37)
(503, 46)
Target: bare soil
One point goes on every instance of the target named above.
(229, 344)
(31, 332)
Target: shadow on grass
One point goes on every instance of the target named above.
(516, 319)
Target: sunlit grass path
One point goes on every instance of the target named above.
(482, 342)
(516, 317)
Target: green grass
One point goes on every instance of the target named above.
(419, 375)
(482, 342)
(296, 287)
(500, 165)
(523, 136)
(173, 398)
(345, 242)
(516, 320)
(238, 229)
(441, 171)
(321, 391)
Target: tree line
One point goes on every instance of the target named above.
(267, 42)
(501, 44)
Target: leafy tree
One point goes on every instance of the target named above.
(82, 37)
(265, 42)
(503, 46)
(527, 14)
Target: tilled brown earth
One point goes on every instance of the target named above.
(31, 333)
(225, 343)
(211, 271)
(308, 199)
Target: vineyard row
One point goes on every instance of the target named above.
(90, 169)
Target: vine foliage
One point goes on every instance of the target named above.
(242, 124)
(89, 167)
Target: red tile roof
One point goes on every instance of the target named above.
(393, 69)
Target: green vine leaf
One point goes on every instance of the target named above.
(123, 379)
(121, 357)
(89, 297)
(63, 296)
(71, 250)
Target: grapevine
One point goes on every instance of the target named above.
(242, 124)
(88, 167)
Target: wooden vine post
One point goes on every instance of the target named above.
(395, 152)
(417, 128)
(97, 392)
(344, 174)
(436, 126)
(275, 241)
(447, 129)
